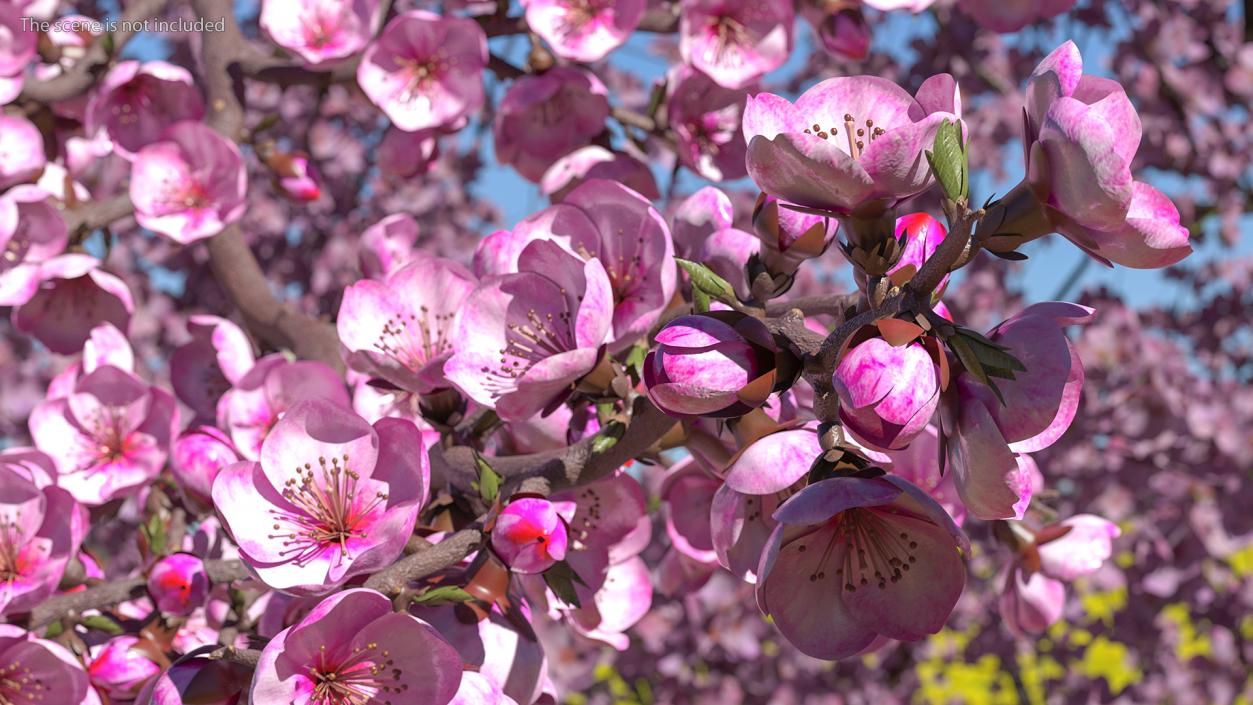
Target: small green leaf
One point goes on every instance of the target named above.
(102, 623)
(154, 533)
(489, 480)
(608, 437)
(635, 358)
(54, 629)
(948, 161)
(443, 595)
(560, 578)
(703, 279)
(700, 301)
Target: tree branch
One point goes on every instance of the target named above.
(445, 554)
(114, 592)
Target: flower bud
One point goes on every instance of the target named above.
(845, 33)
(720, 364)
(887, 392)
(196, 678)
(198, 455)
(922, 235)
(178, 583)
(294, 175)
(121, 667)
(529, 535)
(790, 236)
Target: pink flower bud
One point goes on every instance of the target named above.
(197, 457)
(178, 583)
(887, 393)
(119, 669)
(530, 535)
(922, 235)
(295, 176)
(845, 33)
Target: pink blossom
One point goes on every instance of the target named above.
(843, 33)
(1001, 16)
(109, 438)
(506, 653)
(596, 162)
(706, 121)
(387, 245)
(322, 31)
(405, 154)
(1039, 404)
(704, 364)
(920, 464)
(584, 30)
(545, 117)
(399, 329)
(295, 176)
(922, 235)
(853, 559)
(1030, 602)
(699, 216)
(332, 497)
(16, 51)
(1083, 545)
(741, 525)
(258, 399)
(735, 42)
(196, 676)
(863, 164)
(478, 690)
(137, 102)
(775, 462)
(21, 151)
(425, 70)
(789, 235)
(730, 253)
(197, 457)
(353, 648)
(218, 356)
(74, 296)
(522, 339)
(31, 232)
(189, 185)
(178, 584)
(888, 393)
(688, 492)
(624, 597)
(41, 528)
(120, 667)
(529, 535)
(50, 673)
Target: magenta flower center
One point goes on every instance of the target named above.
(109, 436)
(11, 544)
(329, 509)
(422, 73)
(579, 14)
(19, 685)
(321, 28)
(729, 36)
(415, 341)
(856, 136)
(134, 97)
(875, 550)
(368, 675)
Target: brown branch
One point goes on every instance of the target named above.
(232, 261)
(114, 592)
(820, 305)
(83, 218)
(657, 20)
(243, 657)
(79, 77)
(445, 554)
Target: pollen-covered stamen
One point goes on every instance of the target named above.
(330, 511)
(414, 339)
(11, 543)
(578, 15)
(627, 272)
(857, 137)
(19, 686)
(877, 552)
(542, 336)
(107, 433)
(367, 675)
(15, 249)
(422, 75)
(321, 27)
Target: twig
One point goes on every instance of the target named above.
(445, 554)
(243, 657)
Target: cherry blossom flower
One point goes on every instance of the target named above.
(16, 51)
(596, 162)
(478, 690)
(545, 117)
(405, 154)
(852, 144)
(138, 101)
(584, 30)
(717, 365)
(1030, 602)
(353, 648)
(502, 647)
(109, 438)
(1039, 404)
(775, 462)
(31, 232)
(843, 33)
(332, 497)
(218, 356)
(398, 329)
(735, 42)
(49, 672)
(698, 217)
(529, 535)
(178, 584)
(425, 70)
(740, 526)
(260, 398)
(521, 340)
(41, 528)
(1013, 16)
(790, 236)
(888, 393)
(196, 675)
(190, 184)
(387, 245)
(856, 558)
(295, 176)
(920, 464)
(922, 234)
(706, 121)
(74, 296)
(1083, 545)
(688, 492)
(21, 151)
(120, 667)
(197, 457)
(322, 31)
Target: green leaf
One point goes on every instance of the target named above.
(102, 623)
(154, 533)
(704, 280)
(560, 578)
(54, 629)
(635, 358)
(992, 356)
(948, 161)
(442, 595)
(489, 480)
(608, 437)
(700, 301)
